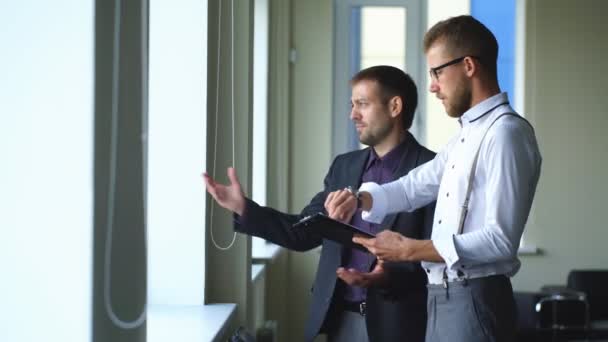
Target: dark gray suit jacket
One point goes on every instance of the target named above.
(396, 312)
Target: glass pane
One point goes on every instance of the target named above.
(383, 32)
(260, 110)
(46, 178)
(176, 199)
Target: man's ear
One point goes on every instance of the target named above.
(395, 106)
(471, 66)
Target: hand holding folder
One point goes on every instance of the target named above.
(333, 230)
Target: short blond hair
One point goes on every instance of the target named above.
(465, 36)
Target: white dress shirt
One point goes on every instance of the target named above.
(506, 174)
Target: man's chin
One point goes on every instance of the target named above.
(452, 112)
(364, 140)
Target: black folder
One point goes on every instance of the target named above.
(331, 229)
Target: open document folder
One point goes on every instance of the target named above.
(331, 229)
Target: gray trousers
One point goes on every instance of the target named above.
(474, 310)
(349, 328)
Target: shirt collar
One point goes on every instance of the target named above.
(484, 107)
(392, 158)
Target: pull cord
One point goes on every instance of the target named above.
(117, 321)
(217, 92)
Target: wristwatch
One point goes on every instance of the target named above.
(355, 193)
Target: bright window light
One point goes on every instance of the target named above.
(46, 178)
(176, 152)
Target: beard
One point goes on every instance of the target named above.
(375, 135)
(461, 101)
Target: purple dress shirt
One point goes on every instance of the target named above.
(378, 170)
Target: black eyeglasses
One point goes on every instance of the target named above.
(434, 72)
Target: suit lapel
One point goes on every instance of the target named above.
(355, 168)
(407, 163)
(352, 174)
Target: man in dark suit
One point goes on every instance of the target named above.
(354, 297)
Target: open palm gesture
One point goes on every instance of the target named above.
(353, 277)
(228, 196)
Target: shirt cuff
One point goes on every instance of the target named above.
(446, 247)
(379, 203)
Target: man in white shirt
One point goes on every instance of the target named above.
(484, 182)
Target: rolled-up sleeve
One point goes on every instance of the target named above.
(446, 247)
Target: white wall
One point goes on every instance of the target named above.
(311, 115)
(566, 54)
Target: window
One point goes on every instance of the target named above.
(369, 23)
(439, 126)
(260, 108)
(359, 44)
(499, 17)
(46, 144)
(177, 152)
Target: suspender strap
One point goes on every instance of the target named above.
(465, 206)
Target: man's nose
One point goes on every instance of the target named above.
(433, 87)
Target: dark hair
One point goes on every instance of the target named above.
(392, 82)
(465, 36)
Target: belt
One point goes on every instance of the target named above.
(462, 282)
(358, 307)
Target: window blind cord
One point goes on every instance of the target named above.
(217, 92)
(117, 321)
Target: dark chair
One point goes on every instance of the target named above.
(567, 310)
(573, 312)
(594, 283)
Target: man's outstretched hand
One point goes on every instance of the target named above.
(229, 196)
